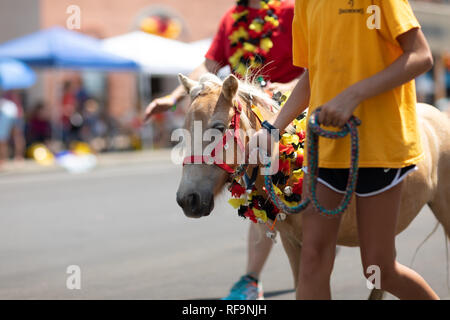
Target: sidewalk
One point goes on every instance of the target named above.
(103, 160)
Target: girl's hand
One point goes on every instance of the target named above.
(338, 111)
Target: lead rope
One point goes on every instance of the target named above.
(314, 131)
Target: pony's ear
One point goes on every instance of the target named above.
(230, 87)
(187, 83)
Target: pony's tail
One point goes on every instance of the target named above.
(446, 251)
(423, 242)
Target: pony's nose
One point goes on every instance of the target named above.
(192, 202)
(193, 206)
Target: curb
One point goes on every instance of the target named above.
(103, 160)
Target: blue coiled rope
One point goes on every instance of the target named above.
(314, 131)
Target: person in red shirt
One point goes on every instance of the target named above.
(18, 129)
(254, 36)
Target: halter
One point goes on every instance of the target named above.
(232, 133)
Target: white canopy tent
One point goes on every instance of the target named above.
(157, 55)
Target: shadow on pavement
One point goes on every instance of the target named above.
(267, 294)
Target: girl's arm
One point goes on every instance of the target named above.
(298, 101)
(415, 60)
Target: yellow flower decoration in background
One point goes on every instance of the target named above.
(241, 69)
(266, 44)
(264, 5)
(236, 57)
(256, 26)
(272, 20)
(238, 34)
(238, 15)
(250, 47)
(261, 28)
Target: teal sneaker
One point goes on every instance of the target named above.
(247, 288)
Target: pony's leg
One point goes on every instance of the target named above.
(259, 247)
(440, 205)
(293, 250)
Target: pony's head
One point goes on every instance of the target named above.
(208, 119)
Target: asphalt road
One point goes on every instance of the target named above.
(121, 225)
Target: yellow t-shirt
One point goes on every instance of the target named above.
(338, 41)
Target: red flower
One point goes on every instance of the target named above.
(248, 55)
(299, 160)
(301, 135)
(268, 27)
(298, 187)
(284, 165)
(251, 215)
(286, 149)
(237, 190)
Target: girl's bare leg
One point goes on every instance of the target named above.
(318, 247)
(377, 221)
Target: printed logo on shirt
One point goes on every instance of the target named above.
(352, 9)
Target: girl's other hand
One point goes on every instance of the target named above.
(338, 111)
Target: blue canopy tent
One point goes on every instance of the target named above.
(61, 48)
(15, 75)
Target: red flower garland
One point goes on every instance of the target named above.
(251, 40)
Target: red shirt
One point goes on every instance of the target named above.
(278, 66)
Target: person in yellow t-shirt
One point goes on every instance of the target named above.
(361, 58)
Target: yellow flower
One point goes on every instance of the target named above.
(241, 69)
(237, 16)
(290, 204)
(264, 5)
(266, 44)
(236, 57)
(297, 175)
(272, 20)
(273, 2)
(238, 34)
(300, 125)
(236, 203)
(258, 27)
(249, 47)
(288, 139)
(278, 192)
(261, 214)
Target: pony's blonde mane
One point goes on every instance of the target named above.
(248, 90)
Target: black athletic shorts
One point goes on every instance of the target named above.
(371, 181)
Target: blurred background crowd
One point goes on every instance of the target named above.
(89, 101)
